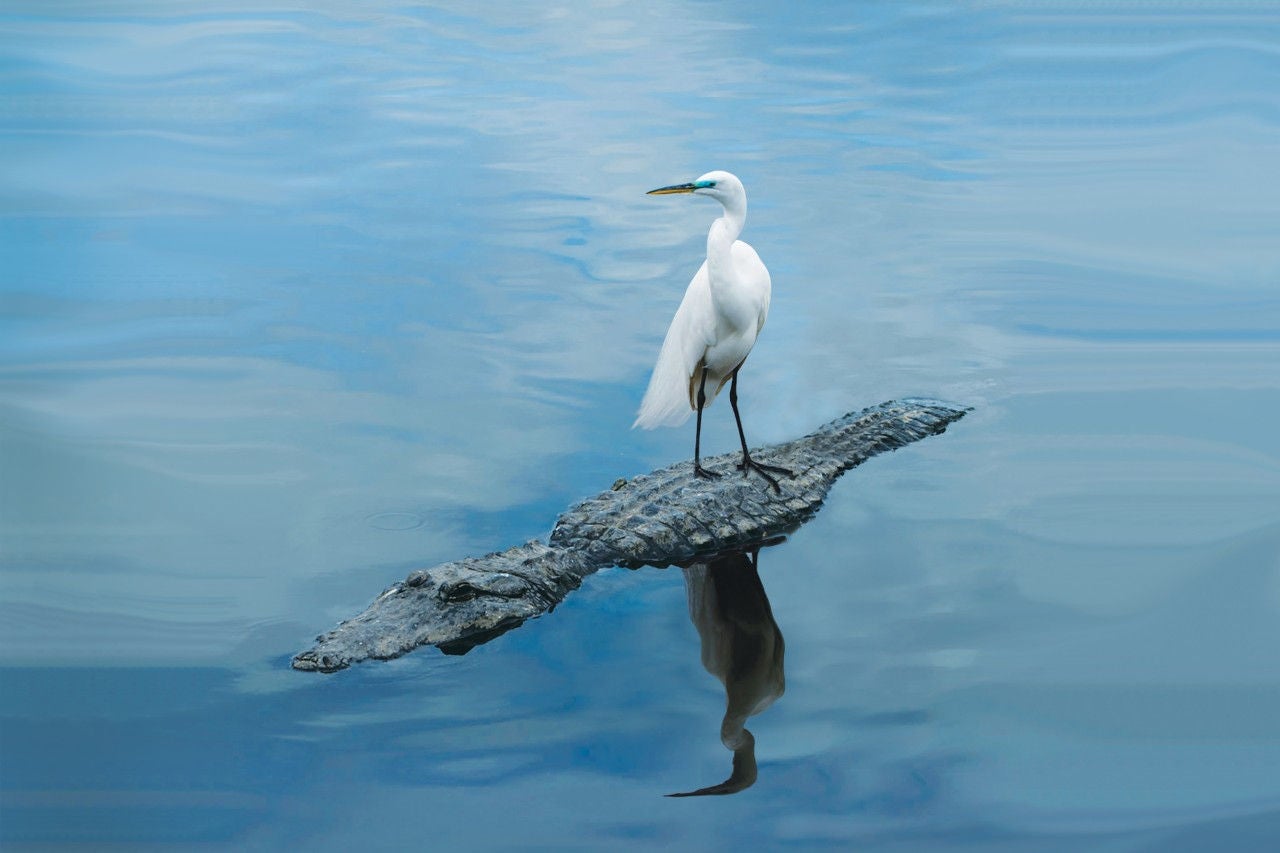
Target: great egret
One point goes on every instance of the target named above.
(715, 327)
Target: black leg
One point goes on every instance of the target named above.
(737, 419)
(748, 464)
(698, 470)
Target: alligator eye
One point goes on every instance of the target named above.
(460, 592)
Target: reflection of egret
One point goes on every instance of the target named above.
(741, 646)
(715, 327)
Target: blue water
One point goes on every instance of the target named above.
(297, 297)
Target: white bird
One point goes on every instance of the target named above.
(715, 327)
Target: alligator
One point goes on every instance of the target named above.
(667, 517)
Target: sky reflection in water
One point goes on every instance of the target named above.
(297, 298)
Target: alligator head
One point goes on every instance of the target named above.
(455, 606)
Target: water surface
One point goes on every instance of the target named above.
(296, 297)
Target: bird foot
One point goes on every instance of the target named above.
(748, 464)
(703, 473)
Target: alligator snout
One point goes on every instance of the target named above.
(314, 661)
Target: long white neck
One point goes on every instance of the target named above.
(720, 239)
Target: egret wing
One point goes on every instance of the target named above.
(666, 402)
(754, 276)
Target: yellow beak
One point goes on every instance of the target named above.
(672, 190)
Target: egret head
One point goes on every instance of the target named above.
(724, 187)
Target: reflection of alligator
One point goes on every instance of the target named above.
(661, 518)
(741, 646)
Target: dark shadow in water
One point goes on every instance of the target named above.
(741, 646)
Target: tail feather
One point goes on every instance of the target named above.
(666, 402)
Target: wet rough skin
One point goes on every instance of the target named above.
(661, 518)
